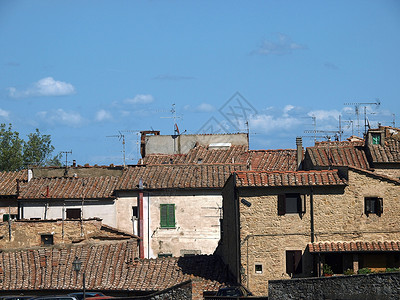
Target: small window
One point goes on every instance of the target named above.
(47, 239)
(291, 204)
(73, 213)
(164, 255)
(7, 217)
(167, 215)
(294, 262)
(258, 268)
(373, 205)
(376, 138)
(135, 212)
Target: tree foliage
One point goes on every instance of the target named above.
(16, 154)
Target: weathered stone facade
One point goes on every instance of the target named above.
(333, 213)
(28, 233)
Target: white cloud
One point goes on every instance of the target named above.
(203, 107)
(59, 116)
(103, 115)
(270, 123)
(140, 99)
(283, 46)
(287, 109)
(322, 115)
(44, 87)
(4, 114)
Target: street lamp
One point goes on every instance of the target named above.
(77, 264)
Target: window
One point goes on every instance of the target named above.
(373, 205)
(73, 213)
(167, 215)
(291, 204)
(294, 262)
(7, 217)
(135, 212)
(164, 255)
(376, 138)
(258, 268)
(47, 239)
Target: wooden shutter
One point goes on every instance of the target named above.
(302, 206)
(171, 215)
(379, 206)
(294, 264)
(298, 265)
(163, 215)
(281, 204)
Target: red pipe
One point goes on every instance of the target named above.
(141, 234)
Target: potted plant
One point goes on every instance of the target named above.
(327, 270)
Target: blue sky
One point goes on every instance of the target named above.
(83, 71)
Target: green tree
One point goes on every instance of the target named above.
(16, 154)
(38, 149)
(10, 149)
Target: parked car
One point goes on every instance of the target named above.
(235, 291)
(79, 295)
(56, 297)
(16, 297)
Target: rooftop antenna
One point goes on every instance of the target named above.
(120, 136)
(394, 120)
(66, 156)
(357, 110)
(174, 117)
(137, 133)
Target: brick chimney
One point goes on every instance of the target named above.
(299, 152)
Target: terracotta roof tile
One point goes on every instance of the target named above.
(69, 188)
(325, 154)
(354, 246)
(388, 153)
(177, 176)
(107, 266)
(8, 181)
(288, 178)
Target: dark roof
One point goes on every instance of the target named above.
(69, 188)
(267, 160)
(357, 246)
(387, 153)
(8, 182)
(325, 154)
(177, 176)
(289, 178)
(107, 266)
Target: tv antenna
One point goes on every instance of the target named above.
(66, 156)
(174, 117)
(357, 110)
(120, 136)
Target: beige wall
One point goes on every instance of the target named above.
(197, 215)
(338, 216)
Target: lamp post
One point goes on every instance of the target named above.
(77, 264)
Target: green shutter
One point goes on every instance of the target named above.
(167, 215)
(376, 139)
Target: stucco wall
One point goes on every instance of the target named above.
(197, 215)
(338, 216)
(104, 210)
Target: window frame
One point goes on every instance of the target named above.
(73, 211)
(283, 203)
(294, 262)
(44, 238)
(373, 205)
(167, 216)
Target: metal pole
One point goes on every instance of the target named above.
(84, 286)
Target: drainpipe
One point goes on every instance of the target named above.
(312, 214)
(237, 229)
(141, 233)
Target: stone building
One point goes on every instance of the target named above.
(281, 225)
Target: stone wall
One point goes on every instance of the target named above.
(356, 287)
(27, 233)
(339, 215)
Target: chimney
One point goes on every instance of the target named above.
(74, 163)
(30, 175)
(299, 152)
